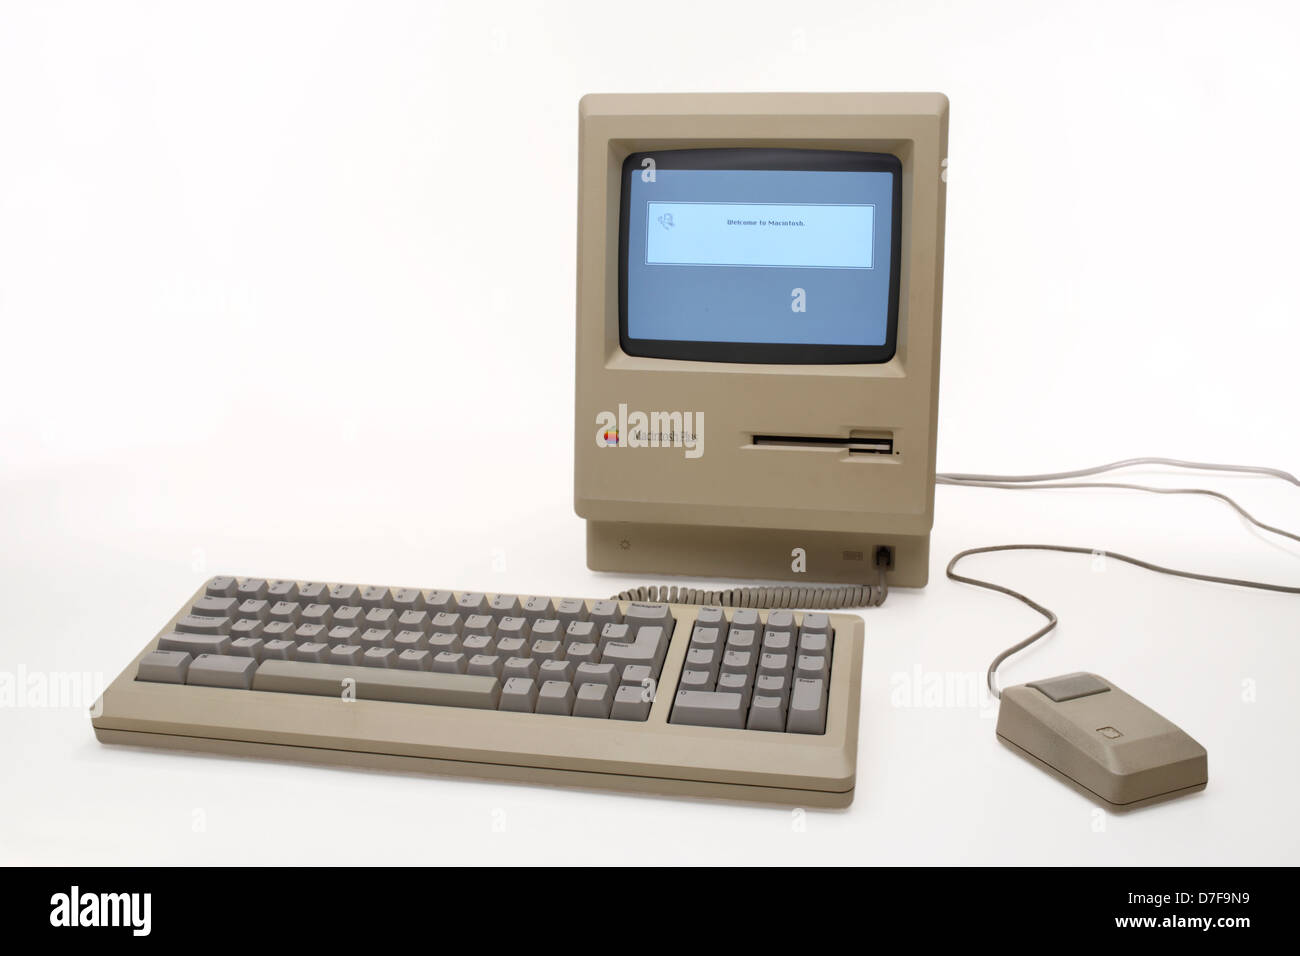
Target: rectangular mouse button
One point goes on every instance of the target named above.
(1070, 686)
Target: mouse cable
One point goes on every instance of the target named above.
(855, 596)
(1053, 480)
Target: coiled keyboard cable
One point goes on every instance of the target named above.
(822, 598)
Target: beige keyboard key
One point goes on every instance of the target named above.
(198, 624)
(504, 605)
(593, 700)
(512, 647)
(378, 683)
(519, 694)
(321, 614)
(773, 685)
(775, 665)
(604, 612)
(253, 610)
(702, 708)
(636, 675)
(282, 591)
(252, 589)
(348, 655)
(766, 713)
(546, 651)
(556, 670)
(630, 704)
(410, 641)
(816, 644)
(478, 644)
(223, 586)
(583, 632)
(195, 644)
(485, 665)
(216, 670)
(447, 622)
(536, 608)
(339, 634)
(807, 714)
(379, 657)
(246, 647)
(649, 648)
(815, 624)
(246, 627)
(639, 614)
(702, 660)
(581, 652)
(780, 620)
(342, 595)
(441, 641)
(736, 683)
(556, 697)
(568, 610)
(778, 642)
(483, 624)
(604, 674)
(742, 639)
(290, 612)
(713, 617)
(449, 663)
(311, 651)
(310, 592)
(276, 649)
(415, 660)
(350, 615)
(409, 599)
(707, 638)
(696, 680)
(438, 601)
(546, 629)
(812, 666)
(414, 620)
(215, 607)
(164, 667)
(519, 667)
(383, 618)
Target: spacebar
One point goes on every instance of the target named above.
(378, 683)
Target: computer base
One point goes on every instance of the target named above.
(760, 553)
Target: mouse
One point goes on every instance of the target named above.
(1082, 727)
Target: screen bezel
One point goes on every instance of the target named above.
(769, 353)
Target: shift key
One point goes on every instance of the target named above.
(195, 644)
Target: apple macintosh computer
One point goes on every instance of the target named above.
(764, 271)
(759, 287)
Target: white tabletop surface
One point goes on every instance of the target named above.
(287, 290)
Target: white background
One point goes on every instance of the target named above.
(287, 290)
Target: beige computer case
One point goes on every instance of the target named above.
(742, 509)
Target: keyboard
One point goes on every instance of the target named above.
(731, 703)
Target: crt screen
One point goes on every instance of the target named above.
(782, 256)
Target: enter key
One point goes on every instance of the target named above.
(650, 647)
